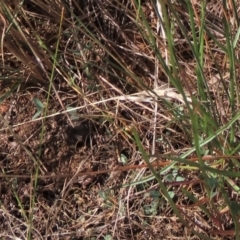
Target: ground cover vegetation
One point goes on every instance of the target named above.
(119, 119)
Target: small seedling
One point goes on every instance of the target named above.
(39, 106)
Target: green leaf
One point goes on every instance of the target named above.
(212, 182)
(37, 114)
(73, 113)
(108, 237)
(155, 194)
(169, 178)
(235, 208)
(180, 178)
(39, 105)
(124, 159)
(171, 194)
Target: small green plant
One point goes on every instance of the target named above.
(39, 106)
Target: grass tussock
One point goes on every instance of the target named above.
(119, 119)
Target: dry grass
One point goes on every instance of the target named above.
(114, 127)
